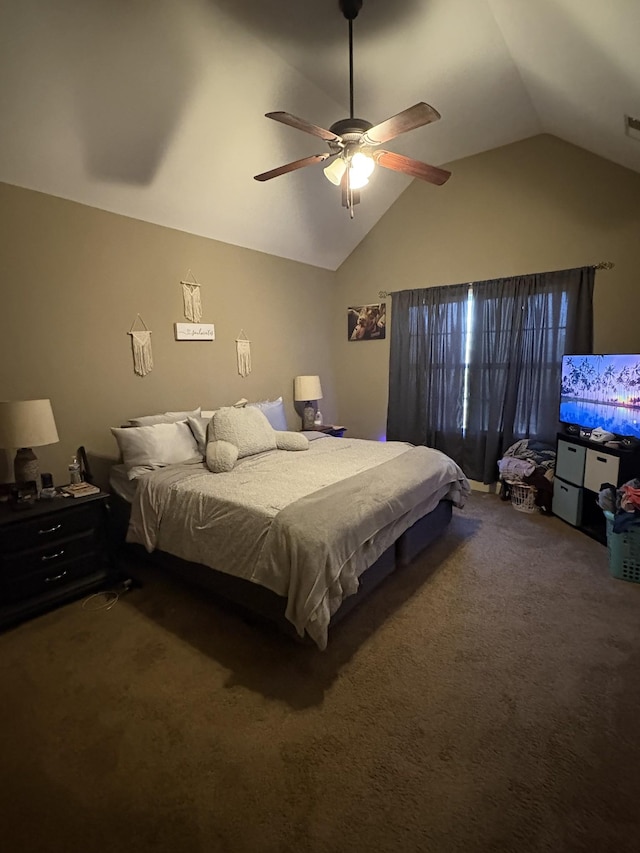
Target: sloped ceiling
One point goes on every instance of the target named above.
(155, 110)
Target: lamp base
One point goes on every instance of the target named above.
(308, 416)
(25, 467)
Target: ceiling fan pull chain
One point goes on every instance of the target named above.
(349, 187)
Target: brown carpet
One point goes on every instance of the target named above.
(486, 698)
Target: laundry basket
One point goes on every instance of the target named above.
(523, 497)
(624, 551)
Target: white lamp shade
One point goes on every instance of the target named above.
(335, 170)
(27, 423)
(307, 388)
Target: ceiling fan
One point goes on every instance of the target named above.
(353, 142)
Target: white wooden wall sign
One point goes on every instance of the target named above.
(195, 331)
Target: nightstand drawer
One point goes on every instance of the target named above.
(47, 557)
(51, 553)
(48, 580)
(45, 529)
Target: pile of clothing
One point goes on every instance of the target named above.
(623, 503)
(533, 463)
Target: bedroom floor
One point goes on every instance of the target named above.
(483, 699)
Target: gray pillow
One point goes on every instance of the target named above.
(291, 441)
(199, 427)
(221, 456)
(236, 433)
(274, 412)
(248, 429)
(165, 418)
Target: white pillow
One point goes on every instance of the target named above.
(147, 447)
(166, 418)
(274, 412)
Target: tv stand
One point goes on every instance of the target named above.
(582, 467)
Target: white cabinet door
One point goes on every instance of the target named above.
(600, 467)
(570, 462)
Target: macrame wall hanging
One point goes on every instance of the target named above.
(243, 350)
(191, 299)
(141, 345)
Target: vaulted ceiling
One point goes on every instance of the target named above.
(155, 110)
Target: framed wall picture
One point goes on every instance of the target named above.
(367, 322)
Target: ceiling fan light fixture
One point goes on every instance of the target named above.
(362, 165)
(335, 171)
(360, 168)
(357, 180)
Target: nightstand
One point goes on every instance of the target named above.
(329, 429)
(50, 553)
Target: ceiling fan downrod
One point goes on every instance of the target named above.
(350, 9)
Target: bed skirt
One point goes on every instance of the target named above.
(258, 601)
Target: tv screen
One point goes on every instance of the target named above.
(601, 391)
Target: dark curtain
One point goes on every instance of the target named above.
(475, 367)
(426, 367)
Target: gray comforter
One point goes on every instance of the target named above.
(304, 524)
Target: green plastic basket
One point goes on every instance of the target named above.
(624, 551)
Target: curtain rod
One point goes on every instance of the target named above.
(601, 265)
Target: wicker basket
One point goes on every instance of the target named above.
(523, 497)
(624, 551)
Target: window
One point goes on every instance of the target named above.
(474, 367)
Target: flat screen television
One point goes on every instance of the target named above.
(602, 391)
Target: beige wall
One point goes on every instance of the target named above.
(73, 280)
(536, 205)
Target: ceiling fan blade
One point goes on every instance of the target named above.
(400, 163)
(291, 167)
(301, 124)
(415, 116)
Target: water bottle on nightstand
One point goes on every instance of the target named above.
(75, 475)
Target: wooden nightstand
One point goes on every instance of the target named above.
(51, 553)
(329, 429)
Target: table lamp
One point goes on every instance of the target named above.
(25, 424)
(307, 389)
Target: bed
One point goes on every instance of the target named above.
(298, 537)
